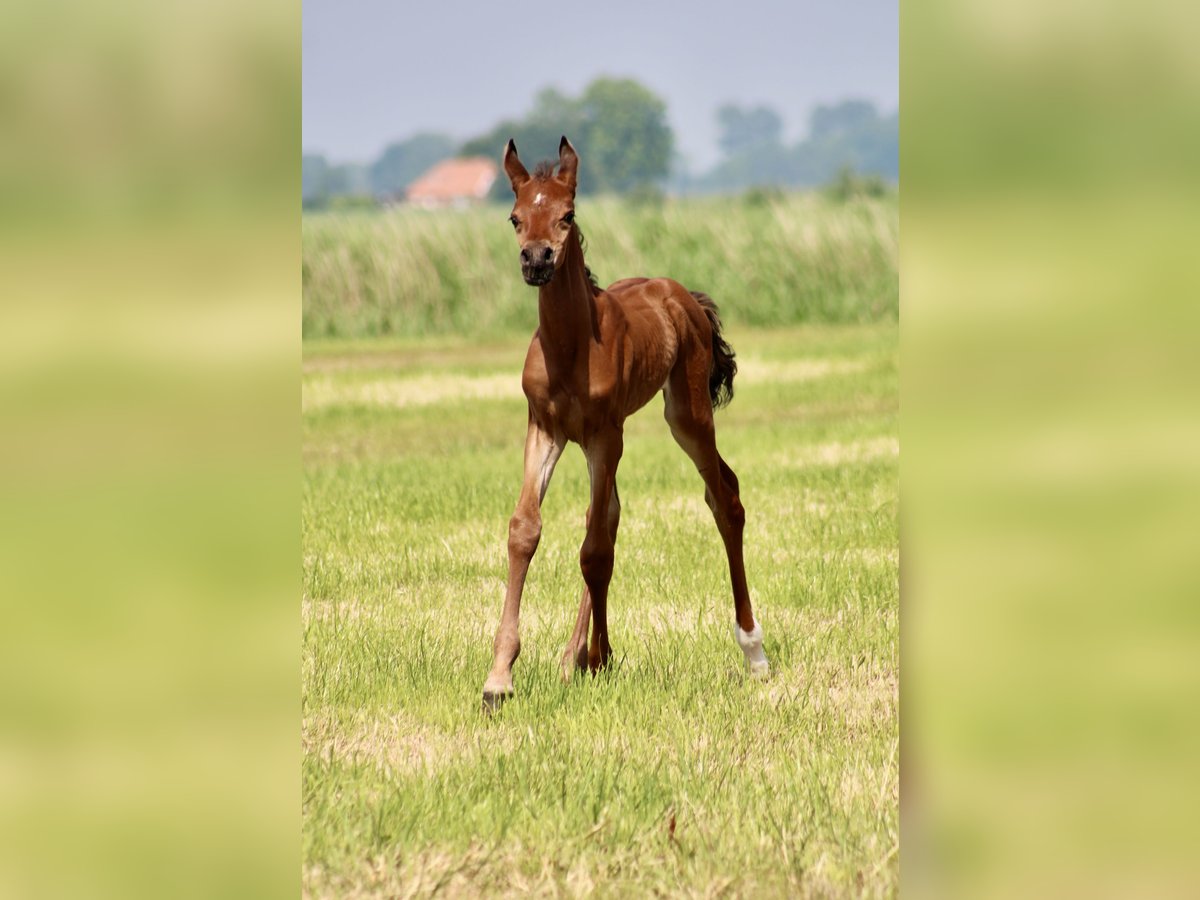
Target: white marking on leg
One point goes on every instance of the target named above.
(751, 644)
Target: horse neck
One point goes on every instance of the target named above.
(566, 307)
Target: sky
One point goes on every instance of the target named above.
(377, 71)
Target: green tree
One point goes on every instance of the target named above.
(853, 134)
(314, 179)
(554, 111)
(846, 118)
(743, 130)
(404, 161)
(626, 142)
(850, 135)
(618, 127)
(321, 181)
(531, 136)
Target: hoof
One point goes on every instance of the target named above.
(493, 700)
(751, 643)
(573, 661)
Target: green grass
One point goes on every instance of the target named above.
(783, 787)
(790, 259)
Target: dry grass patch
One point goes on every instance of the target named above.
(398, 393)
(398, 743)
(840, 453)
(657, 864)
(755, 370)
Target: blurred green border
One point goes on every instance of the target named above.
(149, 339)
(1051, 448)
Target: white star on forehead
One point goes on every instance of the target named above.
(537, 199)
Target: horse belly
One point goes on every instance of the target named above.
(649, 368)
(641, 394)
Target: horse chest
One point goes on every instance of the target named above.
(568, 412)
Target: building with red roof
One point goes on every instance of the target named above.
(454, 182)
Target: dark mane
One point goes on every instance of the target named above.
(583, 247)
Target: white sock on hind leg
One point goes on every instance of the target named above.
(751, 644)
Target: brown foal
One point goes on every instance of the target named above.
(597, 357)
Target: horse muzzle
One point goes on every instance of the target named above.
(538, 275)
(537, 263)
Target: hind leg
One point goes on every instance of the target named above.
(689, 413)
(575, 656)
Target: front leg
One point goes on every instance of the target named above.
(542, 450)
(596, 555)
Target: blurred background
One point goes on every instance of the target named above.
(710, 147)
(711, 100)
(149, 271)
(1051, 449)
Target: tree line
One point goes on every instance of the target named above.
(626, 145)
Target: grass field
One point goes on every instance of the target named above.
(671, 774)
(786, 260)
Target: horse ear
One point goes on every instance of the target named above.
(568, 163)
(517, 174)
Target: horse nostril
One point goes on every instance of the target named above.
(547, 255)
(525, 257)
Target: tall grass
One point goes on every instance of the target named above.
(778, 261)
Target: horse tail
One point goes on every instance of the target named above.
(724, 366)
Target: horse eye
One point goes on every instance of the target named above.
(515, 221)
(569, 218)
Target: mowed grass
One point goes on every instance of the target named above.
(785, 260)
(671, 774)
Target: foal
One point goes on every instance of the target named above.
(597, 357)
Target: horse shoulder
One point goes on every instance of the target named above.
(613, 326)
(535, 381)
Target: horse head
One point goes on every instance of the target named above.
(543, 214)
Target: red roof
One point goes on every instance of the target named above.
(469, 178)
